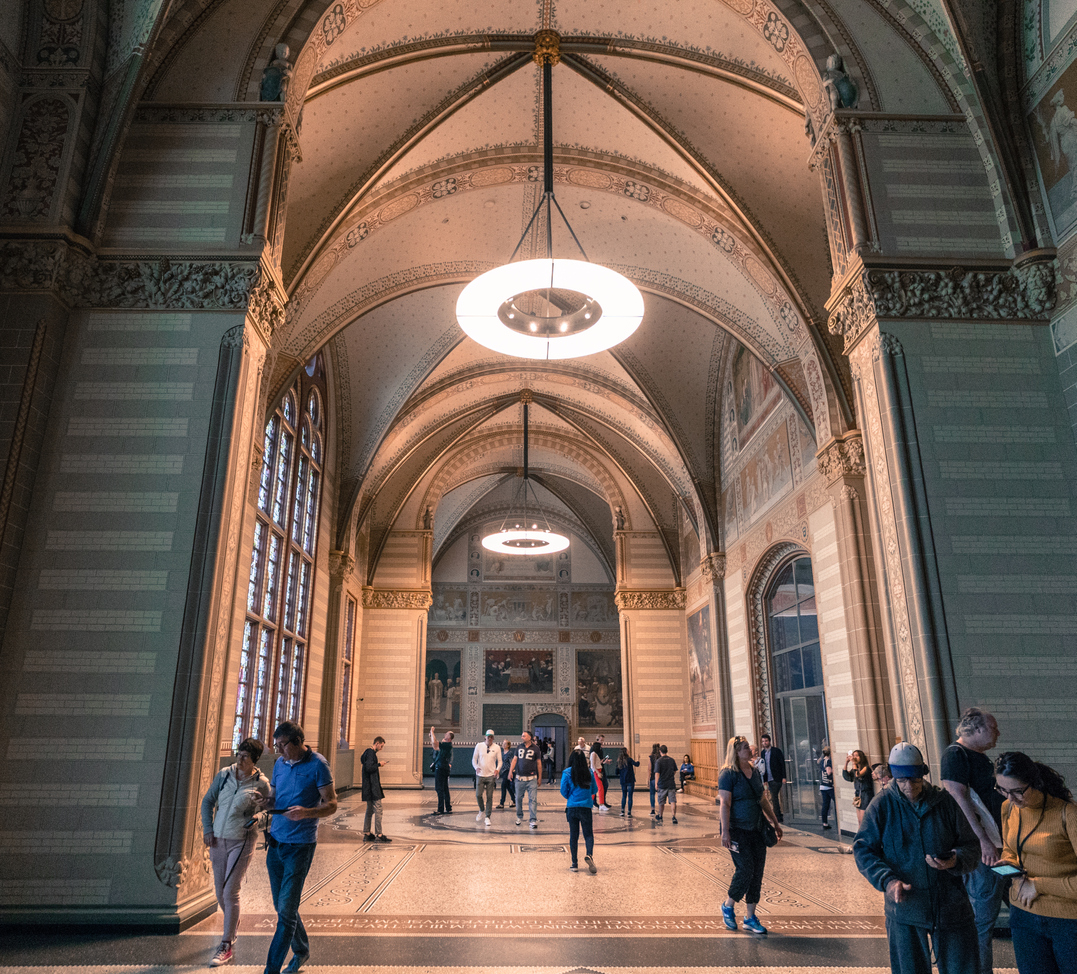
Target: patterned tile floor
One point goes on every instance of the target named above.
(451, 895)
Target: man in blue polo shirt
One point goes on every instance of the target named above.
(303, 785)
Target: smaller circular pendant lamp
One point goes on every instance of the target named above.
(525, 532)
(547, 308)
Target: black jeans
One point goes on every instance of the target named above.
(441, 786)
(749, 859)
(776, 799)
(506, 789)
(579, 818)
(827, 796)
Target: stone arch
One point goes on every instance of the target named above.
(772, 559)
(464, 465)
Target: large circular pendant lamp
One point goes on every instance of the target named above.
(549, 308)
(525, 531)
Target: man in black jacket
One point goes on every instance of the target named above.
(914, 845)
(372, 791)
(773, 773)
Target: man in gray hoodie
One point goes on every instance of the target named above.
(914, 845)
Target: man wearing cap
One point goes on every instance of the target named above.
(914, 845)
(486, 760)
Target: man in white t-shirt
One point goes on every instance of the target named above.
(486, 760)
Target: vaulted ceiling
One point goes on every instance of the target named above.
(680, 159)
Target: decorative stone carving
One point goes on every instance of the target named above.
(383, 598)
(172, 871)
(35, 167)
(341, 565)
(1025, 292)
(87, 282)
(842, 91)
(842, 458)
(277, 76)
(547, 47)
(713, 566)
(664, 599)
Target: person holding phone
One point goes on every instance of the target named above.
(858, 771)
(914, 845)
(1039, 849)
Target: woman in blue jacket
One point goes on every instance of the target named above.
(626, 771)
(578, 786)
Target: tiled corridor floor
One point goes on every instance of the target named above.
(450, 895)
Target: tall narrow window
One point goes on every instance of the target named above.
(346, 674)
(273, 654)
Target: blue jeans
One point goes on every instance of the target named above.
(288, 864)
(627, 790)
(985, 890)
(531, 787)
(910, 951)
(579, 818)
(653, 787)
(1043, 945)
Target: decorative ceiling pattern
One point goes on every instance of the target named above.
(680, 159)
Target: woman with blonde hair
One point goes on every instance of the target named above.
(744, 805)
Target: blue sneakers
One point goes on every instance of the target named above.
(752, 925)
(729, 916)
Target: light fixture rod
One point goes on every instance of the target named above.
(525, 441)
(547, 128)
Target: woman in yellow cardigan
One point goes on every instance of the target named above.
(1039, 835)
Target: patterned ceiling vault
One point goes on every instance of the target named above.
(682, 134)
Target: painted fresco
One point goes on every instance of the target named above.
(691, 545)
(531, 568)
(442, 699)
(519, 671)
(593, 608)
(531, 607)
(598, 688)
(1054, 131)
(700, 672)
(729, 508)
(767, 475)
(754, 395)
(449, 608)
(807, 446)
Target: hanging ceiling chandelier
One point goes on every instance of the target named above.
(547, 308)
(520, 533)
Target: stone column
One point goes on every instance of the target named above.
(654, 664)
(713, 568)
(969, 476)
(341, 567)
(842, 463)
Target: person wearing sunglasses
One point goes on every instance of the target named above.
(1039, 841)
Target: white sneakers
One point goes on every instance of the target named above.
(479, 817)
(487, 823)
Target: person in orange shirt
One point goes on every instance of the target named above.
(1039, 838)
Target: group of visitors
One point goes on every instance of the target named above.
(943, 856)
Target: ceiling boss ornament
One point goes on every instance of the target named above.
(520, 533)
(549, 308)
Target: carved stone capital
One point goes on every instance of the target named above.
(713, 566)
(84, 281)
(842, 458)
(1025, 291)
(385, 598)
(341, 565)
(663, 599)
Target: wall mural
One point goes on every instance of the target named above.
(754, 395)
(598, 688)
(450, 608)
(512, 607)
(536, 568)
(700, 672)
(519, 671)
(767, 475)
(1054, 132)
(594, 608)
(442, 699)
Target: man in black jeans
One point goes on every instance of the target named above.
(506, 762)
(773, 773)
(443, 765)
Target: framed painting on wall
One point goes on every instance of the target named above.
(1054, 133)
(599, 700)
(441, 706)
(519, 671)
(701, 672)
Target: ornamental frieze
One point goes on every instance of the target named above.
(713, 566)
(842, 458)
(384, 598)
(1026, 293)
(664, 599)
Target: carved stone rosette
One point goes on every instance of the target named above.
(842, 458)
(664, 599)
(713, 566)
(1024, 291)
(384, 598)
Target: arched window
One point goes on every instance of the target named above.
(273, 657)
(797, 681)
